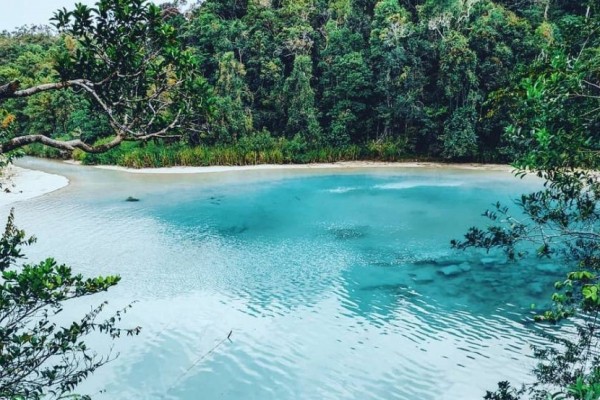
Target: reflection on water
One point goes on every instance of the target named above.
(335, 286)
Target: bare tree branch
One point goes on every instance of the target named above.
(10, 90)
(68, 145)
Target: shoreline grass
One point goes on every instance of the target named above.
(282, 151)
(151, 155)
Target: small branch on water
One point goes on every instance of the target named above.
(195, 363)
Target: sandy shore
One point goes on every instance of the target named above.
(337, 165)
(20, 184)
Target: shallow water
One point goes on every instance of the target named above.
(335, 284)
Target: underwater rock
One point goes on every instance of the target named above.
(215, 201)
(451, 270)
(447, 262)
(549, 268)
(488, 261)
(440, 262)
(535, 288)
(382, 264)
(234, 230)
(423, 277)
(465, 267)
(424, 261)
(391, 287)
(349, 233)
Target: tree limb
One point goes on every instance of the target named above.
(68, 145)
(9, 91)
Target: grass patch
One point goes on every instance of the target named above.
(279, 151)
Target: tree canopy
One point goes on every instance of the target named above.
(428, 79)
(120, 63)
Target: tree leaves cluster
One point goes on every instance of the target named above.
(40, 357)
(117, 70)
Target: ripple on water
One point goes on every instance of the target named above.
(333, 286)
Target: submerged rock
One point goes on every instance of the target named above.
(391, 287)
(447, 262)
(234, 230)
(465, 267)
(488, 261)
(423, 277)
(451, 270)
(424, 261)
(349, 233)
(216, 201)
(548, 268)
(383, 264)
(535, 288)
(440, 262)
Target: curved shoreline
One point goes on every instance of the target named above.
(19, 184)
(24, 183)
(336, 165)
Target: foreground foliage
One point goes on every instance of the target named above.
(556, 137)
(40, 357)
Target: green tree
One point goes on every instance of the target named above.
(555, 135)
(459, 81)
(131, 66)
(505, 46)
(399, 68)
(264, 69)
(40, 357)
(232, 118)
(301, 113)
(27, 57)
(440, 77)
(297, 36)
(346, 86)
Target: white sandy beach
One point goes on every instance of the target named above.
(337, 165)
(20, 184)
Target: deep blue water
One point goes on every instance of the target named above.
(335, 285)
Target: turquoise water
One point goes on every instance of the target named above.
(335, 285)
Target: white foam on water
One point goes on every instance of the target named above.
(342, 189)
(415, 184)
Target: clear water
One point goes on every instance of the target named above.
(336, 285)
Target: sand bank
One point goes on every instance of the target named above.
(20, 184)
(337, 165)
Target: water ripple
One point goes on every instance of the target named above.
(328, 296)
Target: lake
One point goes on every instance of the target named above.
(334, 284)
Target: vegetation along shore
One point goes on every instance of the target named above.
(340, 268)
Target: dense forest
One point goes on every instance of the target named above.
(315, 81)
(327, 80)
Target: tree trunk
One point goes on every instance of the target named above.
(9, 89)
